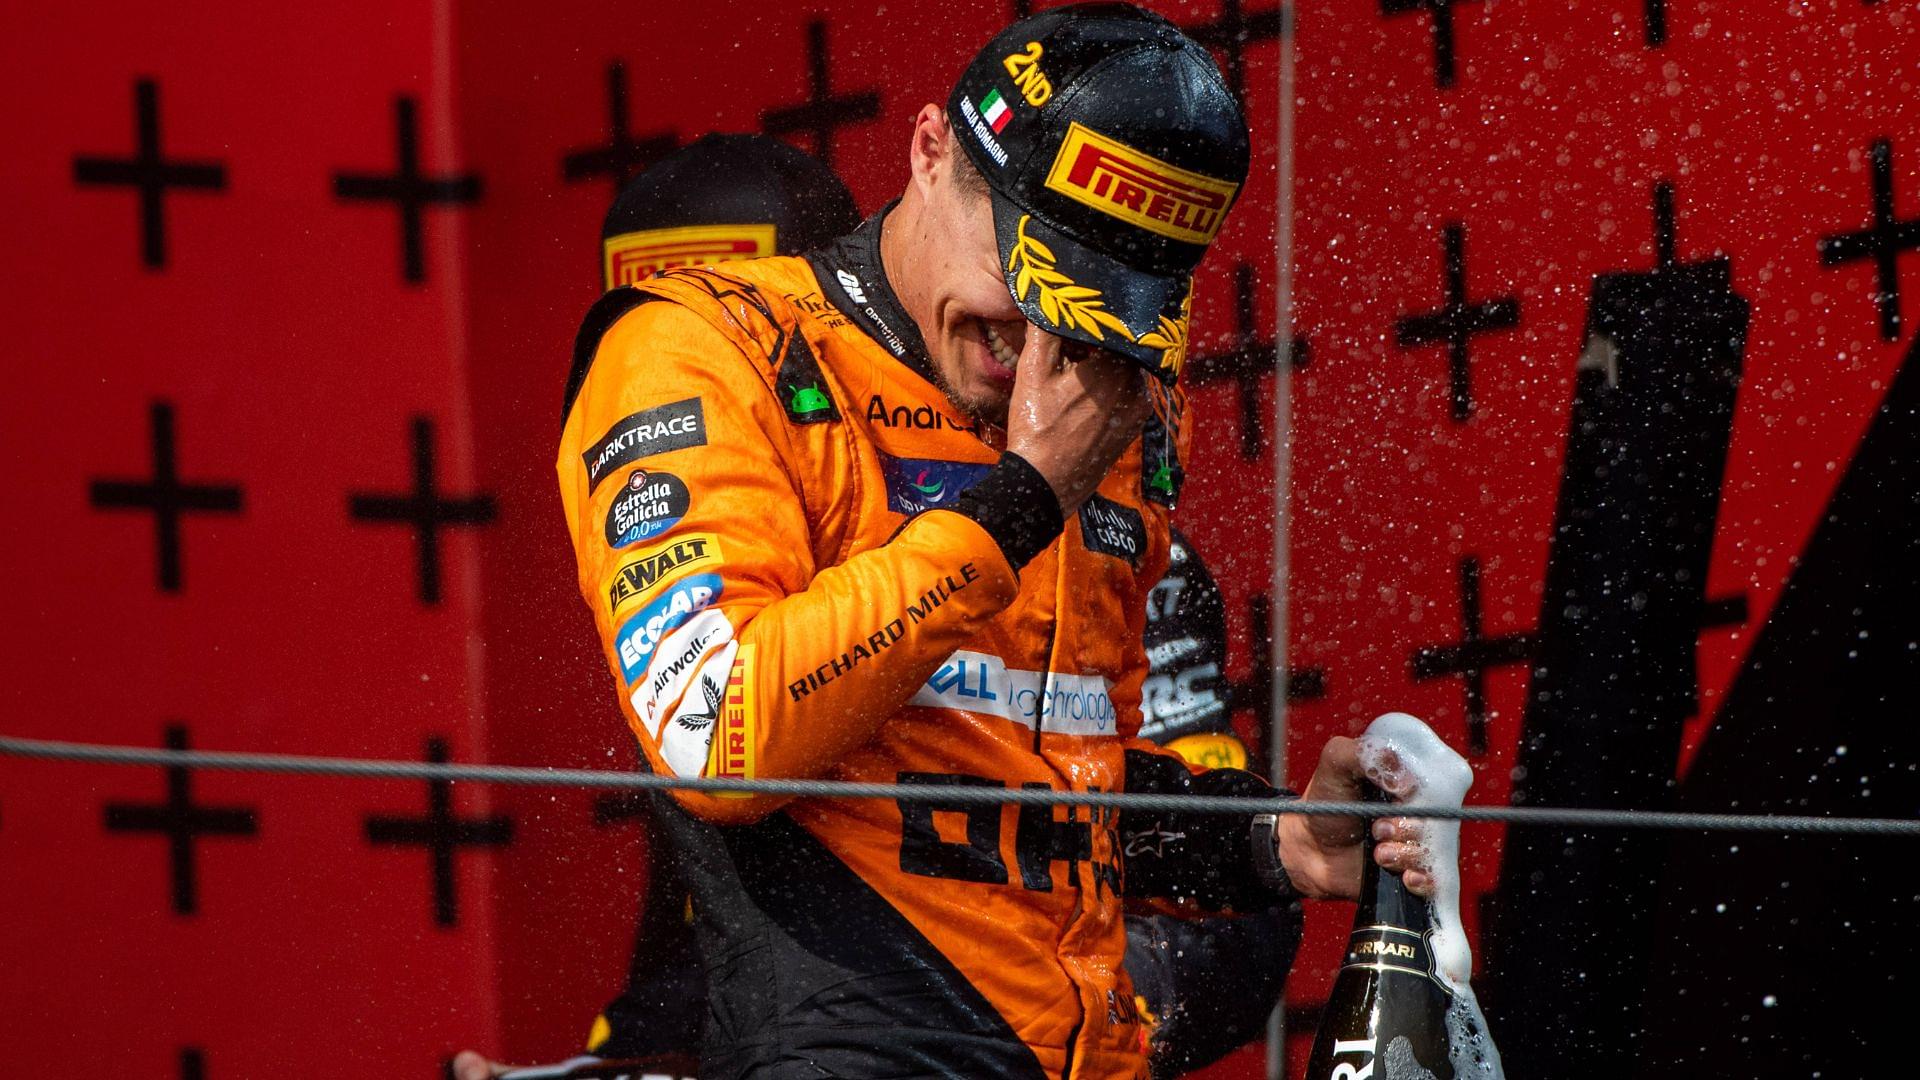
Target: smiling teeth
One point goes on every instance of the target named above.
(1000, 349)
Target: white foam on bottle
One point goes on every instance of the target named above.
(1407, 760)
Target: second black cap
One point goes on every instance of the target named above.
(723, 197)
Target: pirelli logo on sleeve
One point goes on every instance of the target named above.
(636, 256)
(1138, 188)
(739, 721)
(640, 573)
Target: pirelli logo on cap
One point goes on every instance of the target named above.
(733, 743)
(1138, 188)
(634, 256)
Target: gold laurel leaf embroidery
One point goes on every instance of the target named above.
(1064, 303)
(1170, 337)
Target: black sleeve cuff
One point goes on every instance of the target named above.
(1017, 507)
(1209, 859)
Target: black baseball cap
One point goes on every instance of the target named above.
(1113, 151)
(723, 197)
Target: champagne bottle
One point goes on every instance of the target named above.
(1387, 1016)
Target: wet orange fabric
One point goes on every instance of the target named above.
(781, 594)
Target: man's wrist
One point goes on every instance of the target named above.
(1017, 507)
(1264, 834)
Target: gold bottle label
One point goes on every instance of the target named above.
(1390, 948)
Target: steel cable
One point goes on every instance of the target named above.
(528, 776)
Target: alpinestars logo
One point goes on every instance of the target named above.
(711, 694)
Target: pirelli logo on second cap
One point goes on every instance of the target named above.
(635, 256)
(1138, 188)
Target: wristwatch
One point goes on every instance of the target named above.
(1265, 836)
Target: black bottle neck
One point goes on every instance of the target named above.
(1385, 901)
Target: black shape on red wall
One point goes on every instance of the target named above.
(824, 112)
(624, 156)
(166, 497)
(1796, 956)
(1247, 359)
(150, 172)
(1473, 655)
(1233, 30)
(1614, 678)
(409, 190)
(1456, 321)
(1255, 692)
(184, 823)
(1442, 16)
(442, 834)
(425, 509)
(193, 1063)
(1883, 241)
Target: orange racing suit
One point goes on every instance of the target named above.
(803, 561)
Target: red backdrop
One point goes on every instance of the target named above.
(301, 368)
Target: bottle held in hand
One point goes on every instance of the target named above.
(1387, 1016)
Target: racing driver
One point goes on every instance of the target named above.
(890, 513)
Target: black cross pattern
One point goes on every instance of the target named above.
(1249, 359)
(1656, 20)
(1442, 12)
(183, 822)
(1472, 655)
(624, 156)
(165, 496)
(1456, 321)
(1256, 690)
(149, 171)
(1665, 233)
(408, 190)
(823, 112)
(1233, 30)
(1883, 241)
(193, 1063)
(425, 509)
(442, 834)
(1724, 611)
(620, 807)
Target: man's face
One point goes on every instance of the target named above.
(977, 330)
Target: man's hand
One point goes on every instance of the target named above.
(468, 1065)
(1322, 854)
(1071, 420)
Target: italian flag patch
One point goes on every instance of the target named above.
(994, 110)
